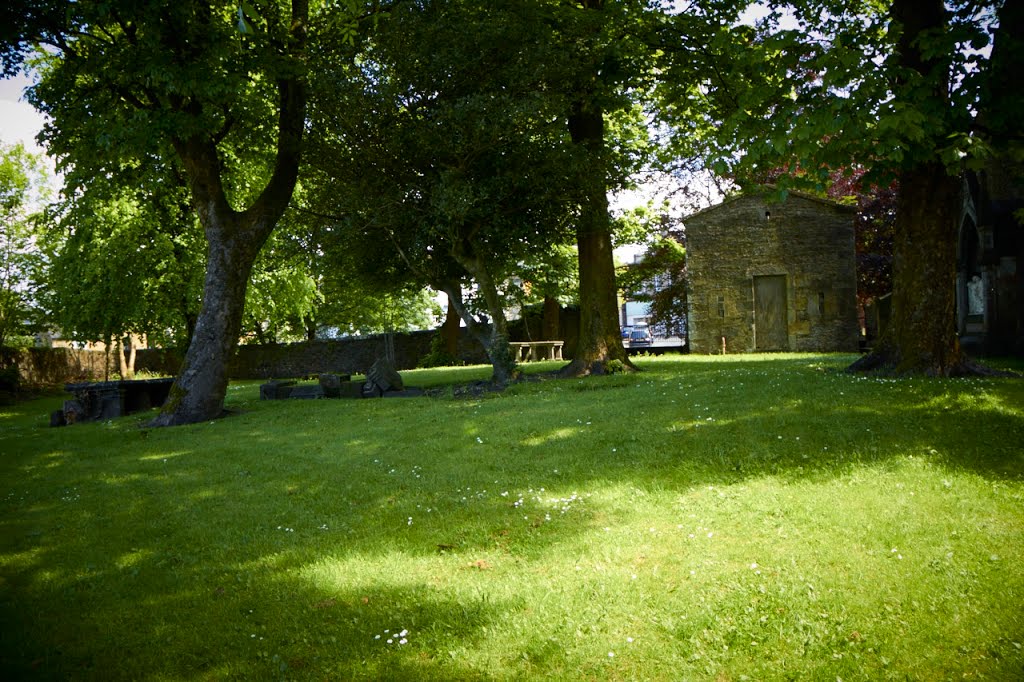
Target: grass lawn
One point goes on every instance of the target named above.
(746, 517)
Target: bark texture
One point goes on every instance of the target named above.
(234, 239)
(493, 336)
(921, 337)
(600, 339)
(450, 330)
(551, 328)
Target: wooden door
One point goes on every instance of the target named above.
(771, 329)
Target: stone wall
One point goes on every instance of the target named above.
(807, 241)
(56, 366)
(342, 356)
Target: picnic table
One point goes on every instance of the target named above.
(529, 351)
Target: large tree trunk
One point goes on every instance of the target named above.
(921, 337)
(198, 392)
(600, 339)
(551, 328)
(450, 330)
(234, 239)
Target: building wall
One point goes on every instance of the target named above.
(807, 240)
(990, 252)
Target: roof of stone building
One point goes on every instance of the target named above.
(764, 192)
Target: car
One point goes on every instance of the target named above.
(640, 337)
(625, 333)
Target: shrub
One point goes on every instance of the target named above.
(438, 356)
(10, 379)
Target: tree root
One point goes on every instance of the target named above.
(883, 362)
(600, 367)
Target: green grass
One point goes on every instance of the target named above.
(754, 517)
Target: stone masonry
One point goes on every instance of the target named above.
(772, 276)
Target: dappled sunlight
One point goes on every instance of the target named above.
(133, 559)
(552, 436)
(979, 401)
(165, 456)
(122, 479)
(205, 494)
(651, 516)
(22, 561)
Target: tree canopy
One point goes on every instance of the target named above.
(465, 145)
(126, 83)
(887, 90)
(23, 189)
(447, 151)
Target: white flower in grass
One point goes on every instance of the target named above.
(611, 654)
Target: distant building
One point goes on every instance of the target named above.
(772, 276)
(990, 250)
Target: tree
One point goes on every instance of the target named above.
(125, 259)
(22, 188)
(552, 280)
(606, 44)
(659, 279)
(448, 152)
(123, 80)
(893, 88)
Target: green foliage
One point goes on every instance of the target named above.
(279, 298)
(772, 96)
(659, 278)
(23, 190)
(124, 260)
(444, 147)
(614, 366)
(10, 379)
(769, 517)
(438, 355)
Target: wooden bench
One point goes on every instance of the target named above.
(529, 351)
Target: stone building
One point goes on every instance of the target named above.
(990, 249)
(772, 276)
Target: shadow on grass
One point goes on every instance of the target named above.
(297, 529)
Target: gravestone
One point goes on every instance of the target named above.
(331, 384)
(276, 390)
(350, 389)
(311, 392)
(111, 399)
(382, 378)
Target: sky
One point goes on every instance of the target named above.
(19, 122)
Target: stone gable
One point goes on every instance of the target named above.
(772, 276)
